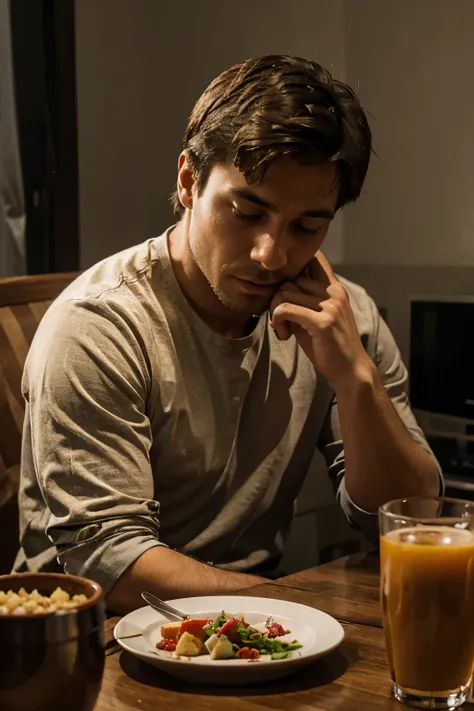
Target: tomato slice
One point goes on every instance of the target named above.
(194, 627)
(230, 628)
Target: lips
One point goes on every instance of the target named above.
(258, 283)
(256, 287)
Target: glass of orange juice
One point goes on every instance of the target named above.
(427, 595)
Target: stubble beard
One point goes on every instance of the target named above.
(224, 300)
(248, 310)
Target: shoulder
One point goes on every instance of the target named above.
(114, 293)
(102, 313)
(365, 310)
(131, 268)
(376, 336)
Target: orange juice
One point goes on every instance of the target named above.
(427, 591)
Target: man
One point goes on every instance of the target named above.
(176, 392)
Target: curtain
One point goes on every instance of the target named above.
(12, 204)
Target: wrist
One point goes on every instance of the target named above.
(362, 377)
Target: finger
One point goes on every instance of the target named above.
(290, 286)
(291, 296)
(285, 293)
(287, 313)
(282, 329)
(311, 286)
(302, 299)
(321, 270)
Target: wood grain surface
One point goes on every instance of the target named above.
(37, 287)
(347, 589)
(354, 678)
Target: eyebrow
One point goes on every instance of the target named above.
(251, 197)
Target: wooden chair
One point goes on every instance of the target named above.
(23, 302)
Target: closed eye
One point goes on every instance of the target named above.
(255, 217)
(247, 216)
(299, 229)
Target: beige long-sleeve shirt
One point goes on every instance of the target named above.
(144, 427)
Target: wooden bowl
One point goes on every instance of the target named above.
(52, 661)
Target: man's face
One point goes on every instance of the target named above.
(249, 239)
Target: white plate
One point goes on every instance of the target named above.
(318, 632)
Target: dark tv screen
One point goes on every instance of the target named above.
(442, 357)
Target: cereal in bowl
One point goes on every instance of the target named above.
(24, 603)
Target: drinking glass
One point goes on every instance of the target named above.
(427, 596)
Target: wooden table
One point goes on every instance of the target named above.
(354, 678)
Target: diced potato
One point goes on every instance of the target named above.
(60, 595)
(22, 602)
(80, 598)
(13, 601)
(189, 646)
(171, 631)
(30, 605)
(68, 605)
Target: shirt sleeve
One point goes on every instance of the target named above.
(86, 385)
(380, 345)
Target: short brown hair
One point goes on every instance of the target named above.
(272, 106)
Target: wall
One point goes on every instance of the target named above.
(412, 65)
(141, 64)
(117, 79)
(412, 232)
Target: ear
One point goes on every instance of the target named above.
(185, 182)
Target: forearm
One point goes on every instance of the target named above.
(382, 461)
(169, 575)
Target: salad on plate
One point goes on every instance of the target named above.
(227, 637)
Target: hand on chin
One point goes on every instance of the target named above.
(316, 310)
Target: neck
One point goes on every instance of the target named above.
(198, 291)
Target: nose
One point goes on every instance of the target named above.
(269, 251)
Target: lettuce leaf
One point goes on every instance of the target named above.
(266, 645)
(250, 637)
(212, 627)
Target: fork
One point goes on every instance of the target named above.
(168, 611)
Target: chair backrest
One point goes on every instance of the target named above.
(23, 302)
